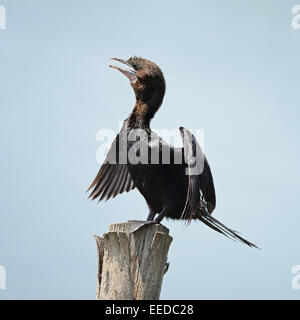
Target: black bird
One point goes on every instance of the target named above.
(178, 187)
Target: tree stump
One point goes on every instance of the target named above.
(132, 259)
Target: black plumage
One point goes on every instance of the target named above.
(182, 188)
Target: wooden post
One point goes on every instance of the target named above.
(132, 261)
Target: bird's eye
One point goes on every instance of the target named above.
(135, 65)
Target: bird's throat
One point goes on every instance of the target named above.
(141, 115)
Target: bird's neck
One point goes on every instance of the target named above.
(142, 114)
(146, 104)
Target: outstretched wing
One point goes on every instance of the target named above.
(113, 177)
(207, 187)
(200, 180)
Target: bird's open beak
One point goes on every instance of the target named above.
(129, 73)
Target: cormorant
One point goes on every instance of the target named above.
(176, 182)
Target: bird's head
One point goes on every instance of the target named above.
(146, 79)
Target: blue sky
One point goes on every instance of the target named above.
(231, 67)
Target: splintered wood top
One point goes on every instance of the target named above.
(126, 226)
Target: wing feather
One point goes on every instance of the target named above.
(199, 177)
(113, 178)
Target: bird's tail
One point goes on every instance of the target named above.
(213, 223)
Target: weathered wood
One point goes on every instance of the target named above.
(131, 265)
(100, 253)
